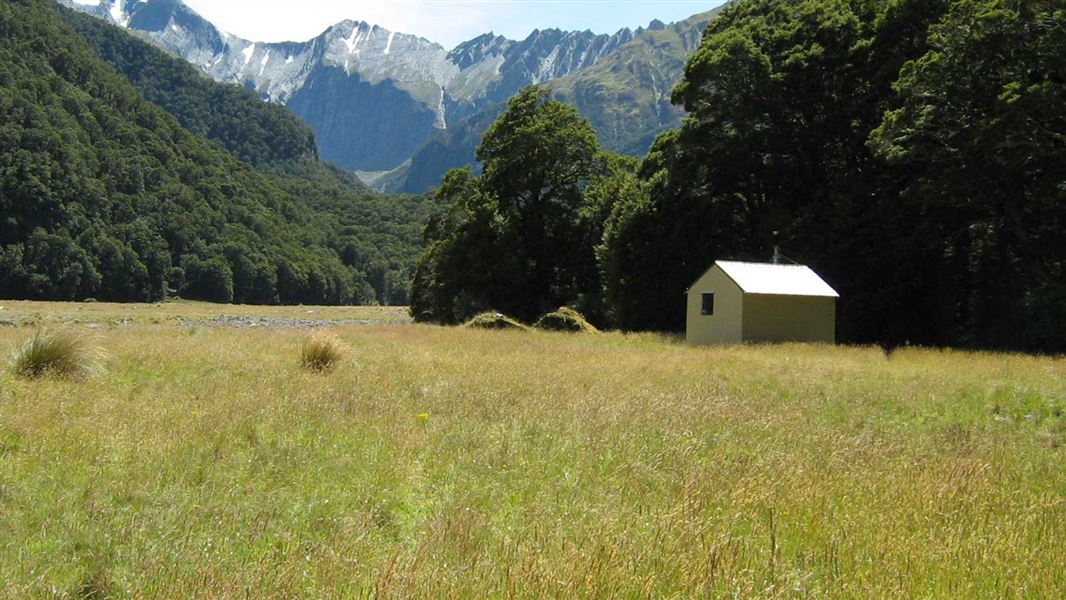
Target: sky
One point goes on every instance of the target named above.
(446, 22)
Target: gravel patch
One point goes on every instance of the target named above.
(280, 323)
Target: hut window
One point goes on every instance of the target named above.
(708, 304)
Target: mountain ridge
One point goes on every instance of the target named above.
(627, 111)
(375, 98)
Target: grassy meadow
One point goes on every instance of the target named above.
(204, 461)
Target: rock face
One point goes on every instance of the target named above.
(625, 95)
(372, 96)
(376, 98)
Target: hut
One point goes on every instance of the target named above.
(736, 302)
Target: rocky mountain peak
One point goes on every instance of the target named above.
(373, 96)
(478, 49)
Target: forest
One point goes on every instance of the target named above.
(127, 176)
(913, 152)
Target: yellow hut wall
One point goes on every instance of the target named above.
(769, 318)
(725, 326)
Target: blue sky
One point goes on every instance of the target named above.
(447, 22)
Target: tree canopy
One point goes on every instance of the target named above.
(910, 151)
(516, 238)
(980, 136)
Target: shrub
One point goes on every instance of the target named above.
(47, 354)
(565, 319)
(321, 352)
(494, 320)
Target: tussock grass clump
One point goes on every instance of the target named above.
(494, 320)
(321, 353)
(54, 354)
(565, 319)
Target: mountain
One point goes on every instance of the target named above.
(105, 194)
(254, 131)
(625, 96)
(372, 96)
(446, 150)
(267, 135)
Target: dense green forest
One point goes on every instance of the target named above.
(910, 151)
(104, 194)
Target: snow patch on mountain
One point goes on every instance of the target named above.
(397, 67)
(263, 65)
(118, 13)
(353, 40)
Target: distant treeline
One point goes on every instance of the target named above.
(220, 196)
(913, 152)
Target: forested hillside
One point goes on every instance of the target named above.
(909, 151)
(254, 131)
(104, 194)
(268, 136)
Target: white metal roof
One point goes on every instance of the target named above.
(783, 280)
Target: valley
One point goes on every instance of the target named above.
(232, 367)
(402, 110)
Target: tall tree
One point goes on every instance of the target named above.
(513, 238)
(981, 134)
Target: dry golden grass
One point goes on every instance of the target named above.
(565, 319)
(494, 320)
(205, 462)
(321, 352)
